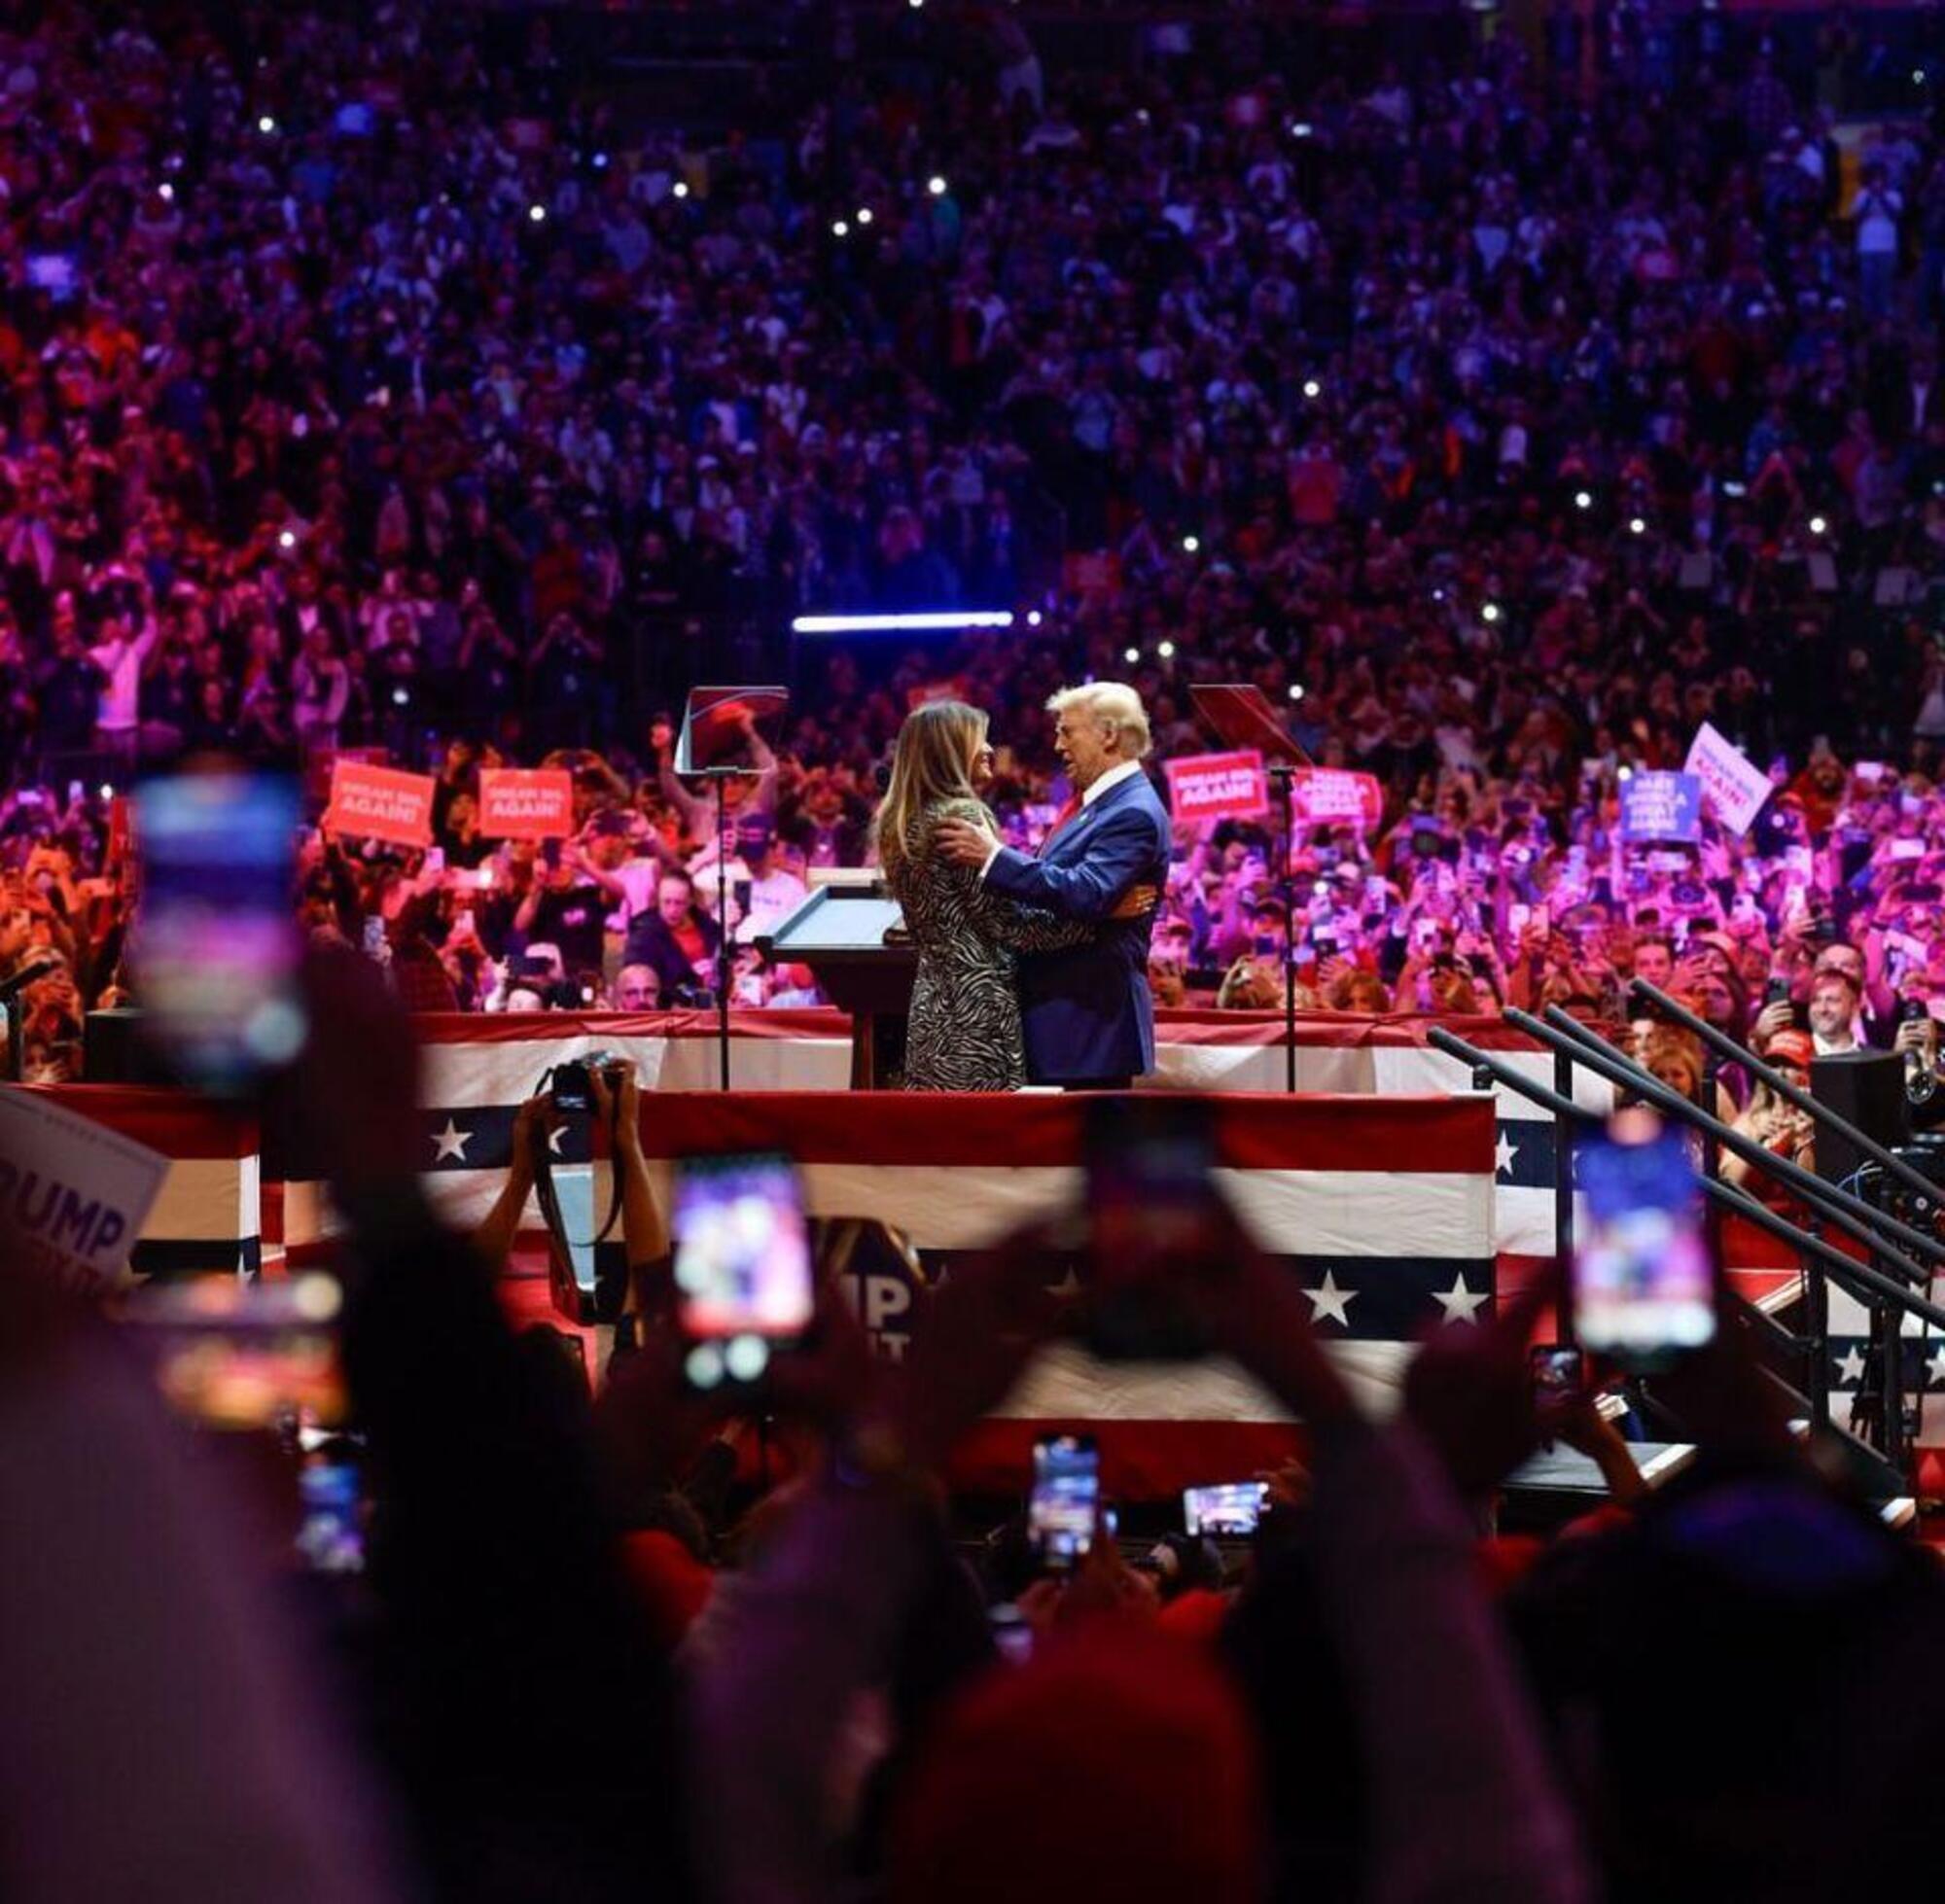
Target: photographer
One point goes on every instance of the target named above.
(1917, 1043)
(524, 1710)
(1777, 1125)
(615, 1095)
(564, 907)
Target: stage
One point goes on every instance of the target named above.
(1400, 1197)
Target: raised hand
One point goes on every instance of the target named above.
(1772, 1020)
(1470, 1393)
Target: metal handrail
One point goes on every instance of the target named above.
(1741, 1055)
(1856, 1218)
(1737, 1201)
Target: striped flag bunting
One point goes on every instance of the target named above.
(1388, 1202)
(206, 1216)
(1341, 1224)
(478, 1068)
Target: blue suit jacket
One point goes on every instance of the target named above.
(1088, 1010)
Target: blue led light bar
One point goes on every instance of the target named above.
(929, 621)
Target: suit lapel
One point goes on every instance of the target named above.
(1072, 836)
(1074, 832)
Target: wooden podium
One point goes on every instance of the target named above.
(840, 931)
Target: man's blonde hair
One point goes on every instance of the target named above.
(1114, 705)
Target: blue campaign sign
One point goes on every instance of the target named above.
(1661, 806)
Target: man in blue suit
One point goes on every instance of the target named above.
(1089, 1016)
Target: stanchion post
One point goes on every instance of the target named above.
(725, 966)
(1562, 1200)
(1283, 777)
(1817, 1329)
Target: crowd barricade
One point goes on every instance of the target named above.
(1380, 1207)
(477, 1069)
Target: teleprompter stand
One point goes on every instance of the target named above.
(723, 734)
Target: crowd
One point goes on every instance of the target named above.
(375, 383)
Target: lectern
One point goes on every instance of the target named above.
(848, 936)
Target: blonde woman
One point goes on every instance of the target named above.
(964, 1033)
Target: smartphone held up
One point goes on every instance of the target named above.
(743, 1276)
(218, 951)
(1646, 1283)
(1065, 1500)
(1231, 1511)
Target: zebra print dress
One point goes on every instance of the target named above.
(964, 1033)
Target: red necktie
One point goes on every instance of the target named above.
(1061, 818)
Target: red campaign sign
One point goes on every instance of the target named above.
(371, 802)
(1218, 787)
(1324, 797)
(526, 802)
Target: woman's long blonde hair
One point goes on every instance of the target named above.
(937, 748)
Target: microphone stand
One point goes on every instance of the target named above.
(1283, 779)
(707, 713)
(718, 777)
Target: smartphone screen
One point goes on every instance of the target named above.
(742, 1264)
(1556, 1372)
(1643, 1284)
(331, 1538)
(1066, 1498)
(217, 946)
(1232, 1508)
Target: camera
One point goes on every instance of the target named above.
(572, 1083)
(1920, 1081)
